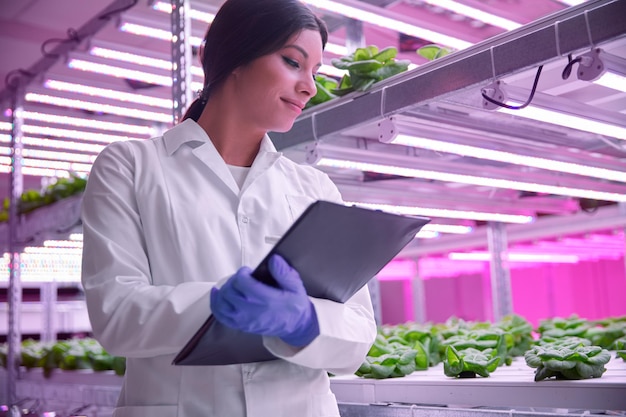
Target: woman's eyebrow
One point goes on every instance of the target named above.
(302, 51)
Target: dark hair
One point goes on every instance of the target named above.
(244, 30)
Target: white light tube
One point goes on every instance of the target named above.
(567, 120)
(76, 236)
(474, 13)
(612, 80)
(99, 107)
(39, 172)
(106, 93)
(74, 134)
(194, 14)
(446, 213)
(515, 257)
(510, 158)
(63, 243)
(448, 228)
(472, 180)
(53, 156)
(139, 60)
(572, 2)
(62, 144)
(426, 234)
(150, 32)
(91, 123)
(378, 19)
(6, 126)
(118, 72)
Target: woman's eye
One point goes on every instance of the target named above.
(291, 62)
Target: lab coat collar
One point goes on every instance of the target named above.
(186, 131)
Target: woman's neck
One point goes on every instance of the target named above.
(236, 142)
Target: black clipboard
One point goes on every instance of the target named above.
(335, 248)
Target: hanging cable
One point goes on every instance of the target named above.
(570, 64)
(108, 15)
(72, 36)
(530, 98)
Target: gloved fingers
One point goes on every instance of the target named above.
(286, 276)
(254, 291)
(221, 305)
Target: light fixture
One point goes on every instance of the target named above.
(98, 107)
(426, 234)
(510, 158)
(110, 94)
(381, 17)
(367, 161)
(515, 257)
(5, 168)
(62, 144)
(54, 156)
(147, 131)
(448, 228)
(445, 213)
(74, 134)
(569, 114)
(119, 72)
(602, 68)
(474, 13)
(139, 59)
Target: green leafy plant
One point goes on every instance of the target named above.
(432, 52)
(324, 86)
(367, 66)
(567, 358)
(469, 362)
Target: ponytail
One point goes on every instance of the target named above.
(195, 110)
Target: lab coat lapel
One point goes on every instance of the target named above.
(213, 160)
(264, 160)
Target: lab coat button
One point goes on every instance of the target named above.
(244, 219)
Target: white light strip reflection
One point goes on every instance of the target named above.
(515, 257)
(510, 158)
(194, 14)
(99, 107)
(473, 13)
(388, 23)
(47, 267)
(107, 93)
(446, 213)
(470, 179)
(150, 32)
(139, 60)
(74, 134)
(567, 120)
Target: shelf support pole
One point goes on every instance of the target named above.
(500, 275)
(15, 287)
(182, 96)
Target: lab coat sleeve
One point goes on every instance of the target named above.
(129, 316)
(347, 330)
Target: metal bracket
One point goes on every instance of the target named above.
(494, 91)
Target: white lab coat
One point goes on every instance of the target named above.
(164, 222)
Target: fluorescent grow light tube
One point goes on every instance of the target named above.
(471, 179)
(381, 17)
(515, 257)
(151, 32)
(118, 72)
(62, 144)
(74, 134)
(446, 213)
(90, 123)
(99, 107)
(448, 228)
(139, 59)
(107, 93)
(510, 158)
(474, 13)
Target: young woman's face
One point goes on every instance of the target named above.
(273, 89)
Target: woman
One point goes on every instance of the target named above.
(172, 224)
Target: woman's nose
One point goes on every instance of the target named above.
(308, 86)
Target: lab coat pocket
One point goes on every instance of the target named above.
(146, 411)
(325, 405)
(297, 204)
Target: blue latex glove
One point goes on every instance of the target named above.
(246, 304)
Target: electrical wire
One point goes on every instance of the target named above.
(568, 68)
(530, 98)
(72, 36)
